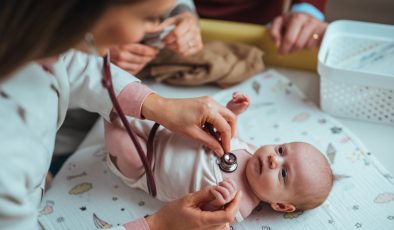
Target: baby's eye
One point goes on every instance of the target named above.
(284, 174)
(280, 150)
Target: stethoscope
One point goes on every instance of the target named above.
(107, 83)
(227, 163)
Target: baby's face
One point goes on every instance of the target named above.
(275, 172)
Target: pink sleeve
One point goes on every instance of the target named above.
(132, 97)
(139, 224)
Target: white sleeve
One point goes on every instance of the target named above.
(20, 167)
(85, 74)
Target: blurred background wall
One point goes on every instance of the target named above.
(381, 11)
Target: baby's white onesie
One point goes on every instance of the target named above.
(181, 165)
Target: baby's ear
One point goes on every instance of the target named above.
(280, 207)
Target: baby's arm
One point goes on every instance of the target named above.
(224, 193)
(239, 103)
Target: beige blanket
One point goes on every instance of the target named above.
(221, 63)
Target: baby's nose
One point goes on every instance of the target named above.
(272, 162)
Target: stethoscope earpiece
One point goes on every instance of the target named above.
(228, 162)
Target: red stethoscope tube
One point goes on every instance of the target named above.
(146, 160)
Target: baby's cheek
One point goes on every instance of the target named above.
(262, 186)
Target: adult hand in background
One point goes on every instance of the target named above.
(185, 39)
(133, 57)
(295, 30)
(188, 115)
(186, 213)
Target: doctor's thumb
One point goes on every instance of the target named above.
(209, 141)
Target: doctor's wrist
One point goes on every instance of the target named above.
(153, 222)
(151, 106)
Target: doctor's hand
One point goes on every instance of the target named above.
(133, 57)
(185, 39)
(186, 213)
(188, 115)
(295, 30)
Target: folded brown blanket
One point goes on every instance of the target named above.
(219, 62)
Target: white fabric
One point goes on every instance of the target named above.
(33, 104)
(181, 165)
(362, 199)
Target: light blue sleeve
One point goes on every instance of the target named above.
(183, 6)
(188, 3)
(308, 9)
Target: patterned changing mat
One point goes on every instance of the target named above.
(85, 195)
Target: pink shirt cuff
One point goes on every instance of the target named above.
(137, 224)
(132, 97)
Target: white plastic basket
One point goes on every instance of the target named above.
(356, 66)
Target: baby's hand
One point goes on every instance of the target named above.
(224, 193)
(239, 103)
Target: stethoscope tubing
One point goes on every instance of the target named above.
(107, 83)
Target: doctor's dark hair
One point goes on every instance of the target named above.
(34, 29)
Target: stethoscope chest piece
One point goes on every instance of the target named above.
(228, 162)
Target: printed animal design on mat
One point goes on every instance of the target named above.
(76, 176)
(301, 117)
(358, 155)
(71, 166)
(345, 140)
(384, 198)
(293, 215)
(101, 224)
(100, 153)
(331, 153)
(358, 225)
(336, 130)
(256, 87)
(48, 209)
(279, 86)
(60, 219)
(80, 188)
(22, 113)
(267, 75)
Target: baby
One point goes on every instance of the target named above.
(288, 176)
